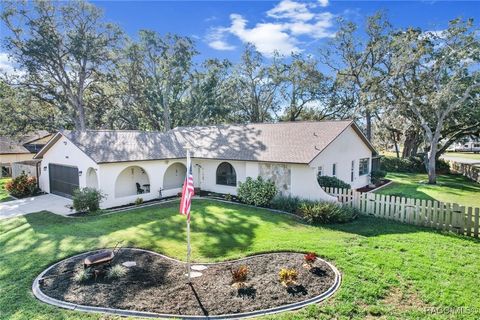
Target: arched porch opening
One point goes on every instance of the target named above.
(174, 176)
(131, 181)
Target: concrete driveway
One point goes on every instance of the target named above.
(47, 202)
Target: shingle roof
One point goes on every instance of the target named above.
(10, 145)
(287, 142)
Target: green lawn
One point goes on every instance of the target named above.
(449, 188)
(3, 193)
(390, 270)
(466, 155)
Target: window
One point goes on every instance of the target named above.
(320, 171)
(352, 171)
(334, 169)
(226, 175)
(476, 145)
(363, 166)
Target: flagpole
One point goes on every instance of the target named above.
(188, 222)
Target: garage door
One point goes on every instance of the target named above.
(63, 179)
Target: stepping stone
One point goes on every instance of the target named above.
(129, 264)
(194, 274)
(199, 267)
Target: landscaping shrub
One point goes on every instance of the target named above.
(319, 212)
(288, 277)
(239, 275)
(414, 164)
(377, 176)
(332, 182)
(257, 192)
(285, 203)
(22, 186)
(310, 258)
(442, 166)
(82, 275)
(117, 271)
(394, 164)
(138, 201)
(87, 199)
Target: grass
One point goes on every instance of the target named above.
(449, 188)
(389, 270)
(3, 193)
(465, 155)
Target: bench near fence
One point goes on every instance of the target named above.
(427, 213)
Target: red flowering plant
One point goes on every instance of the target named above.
(22, 186)
(239, 276)
(310, 259)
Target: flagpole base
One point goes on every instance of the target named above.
(194, 274)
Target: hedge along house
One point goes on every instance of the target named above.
(126, 165)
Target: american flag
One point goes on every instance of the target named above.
(187, 193)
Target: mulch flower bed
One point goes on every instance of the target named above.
(158, 284)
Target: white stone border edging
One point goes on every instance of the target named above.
(132, 313)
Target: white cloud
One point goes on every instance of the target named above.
(216, 39)
(288, 9)
(323, 3)
(221, 45)
(6, 65)
(433, 34)
(291, 20)
(267, 37)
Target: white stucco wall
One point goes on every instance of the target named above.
(305, 184)
(205, 170)
(303, 178)
(347, 147)
(64, 152)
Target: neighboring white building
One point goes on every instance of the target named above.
(126, 165)
(471, 145)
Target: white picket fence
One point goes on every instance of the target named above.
(427, 213)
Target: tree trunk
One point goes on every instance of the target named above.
(166, 109)
(432, 176)
(395, 143)
(80, 115)
(368, 120)
(411, 144)
(432, 160)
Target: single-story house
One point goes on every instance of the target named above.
(126, 165)
(23, 148)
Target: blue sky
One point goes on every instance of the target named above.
(220, 28)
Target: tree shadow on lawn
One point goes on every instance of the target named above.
(215, 230)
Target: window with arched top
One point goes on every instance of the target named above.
(226, 175)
